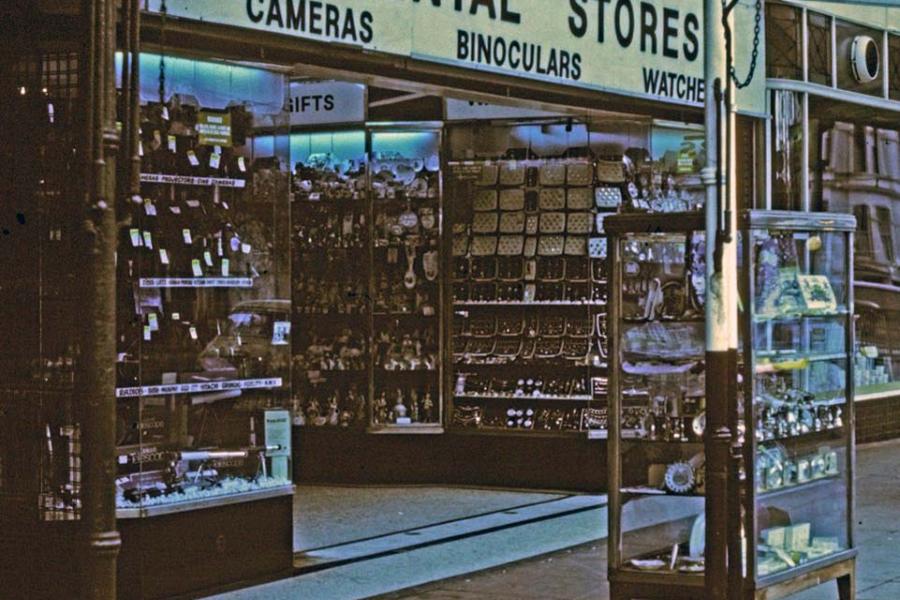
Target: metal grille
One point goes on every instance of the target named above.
(819, 49)
(783, 47)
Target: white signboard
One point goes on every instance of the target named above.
(327, 102)
(198, 388)
(466, 110)
(642, 48)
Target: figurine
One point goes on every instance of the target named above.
(428, 407)
(414, 406)
(381, 410)
(333, 411)
(399, 408)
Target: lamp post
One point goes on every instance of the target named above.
(721, 296)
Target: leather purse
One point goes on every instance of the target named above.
(460, 244)
(597, 247)
(482, 326)
(551, 268)
(578, 268)
(510, 268)
(511, 325)
(483, 268)
(552, 326)
(460, 292)
(580, 328)
(511, 245)
(530, 248)
(483, 292)
(579, 198)
(576, 348)
(549, 291)
(548, 348)
(510, 291)
(531, 224)
(507, 348)
(578, 291)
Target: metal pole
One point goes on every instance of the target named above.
(721, 297)
(134, 35)
(96, 375)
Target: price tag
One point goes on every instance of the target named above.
(148, 333)
(140, 148)
(245, 248)
(225, 205)
(135, 237)
(149, 208)
(157, 139)
(176, 210)
(214, 159)
(165, 113)
(207, 258)
(173, 144)
(193, 203)
(219, 250)
(235, 243)
(163, 256)
(186, 234)
(225, 267)
(153, 322)
(242, 166)
(217, 150)
(196, 268)
(192, 158)
(193, 332)
(176, 316)
(148, 240)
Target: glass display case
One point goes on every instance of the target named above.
(657, 403)
(368, 286)
(798, 394)
(203, 322)
(792, 420)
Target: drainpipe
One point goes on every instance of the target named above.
(95, 388)
(721, 298)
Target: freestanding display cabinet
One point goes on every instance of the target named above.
(791, 473)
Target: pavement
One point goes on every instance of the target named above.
(546, 546)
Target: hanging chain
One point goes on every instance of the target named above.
(757, 27)
(163, 10)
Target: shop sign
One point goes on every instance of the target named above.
(467, 110)
(326, 103)
(643, 48)
(214, 128)
(278, 432)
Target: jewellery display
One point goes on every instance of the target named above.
(521, 242)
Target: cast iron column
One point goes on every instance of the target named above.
(95, 389)
(721, 300)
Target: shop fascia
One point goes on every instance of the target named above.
(651, 49)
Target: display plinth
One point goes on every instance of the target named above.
(210, 547)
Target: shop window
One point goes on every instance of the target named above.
(885, 233)
(863, 245)
(786, 155)
(783, 37)
(894, 66)
(819, 49)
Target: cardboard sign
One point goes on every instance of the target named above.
(214, 128)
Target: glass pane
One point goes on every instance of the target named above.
(406, 194)
(204, 310)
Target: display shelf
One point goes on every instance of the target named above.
(198, 387)
(792, 361)
(203, 503)
(518, 432)
(192, 180)
(810, 487)
(572, 398)
(560, 303)
(842, 313)
(411, 429)
(640, 490)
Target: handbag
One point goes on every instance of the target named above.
(510, 325)
(576, 348)
(552, 199)
(550, 245)
(579, 223)
(489, 174)
(581, 174)
(548, 347)
(512, 199)
(509, 291)
(578, 291)
(597, 247)
(552, 222)
(483, 245)
(512, 173)
(611, 171)
(482, 326)
(579, 328)
(608, 197)
(552, 326)
(576, 246)
(531, 224)
(549, 291)
(507, 348)
(485, 222)
(510, 268)
(460, 292)
(530, 248)
(598, 271)
(483, 292)
(512, 222)
(479, 346)
(552, 174)
(485, 200)
(579, 198)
